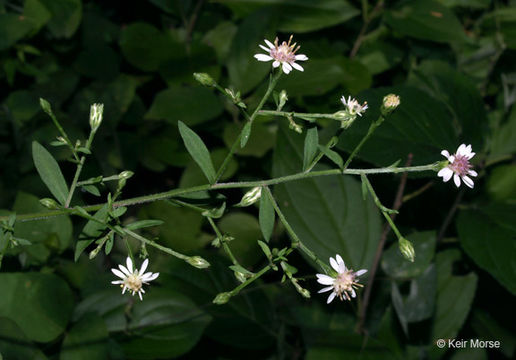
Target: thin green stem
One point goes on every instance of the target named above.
(225, 245)
(370, 131)
(257, 275)
(79, 170)
(157, 246)
(230, 185)
(385, 211)
(310, 117)
(296, 241)
(272, 85)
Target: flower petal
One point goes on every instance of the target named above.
(286, 68)
(129, 264)
(472, 173)
(353, 293)
(342, 265)
(456, 180)
(468, 181)
(301, 57)
(445, 153)
(360, 272)
(117, 282)
(462, 150)
(149, 276)
(140, 295)
(297, 66)
(446, 173)
(470, 155)
(265, 48)
(262, 57)
(325, 279)
(119, 273)
(325, 289)
(144, 266)
(334, 264)
(331, 297)
(124, 270)
(275, 64)
(269, 44)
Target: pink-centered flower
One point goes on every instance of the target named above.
(133, 279)
(353, 106)
(343, 284)
(458, 166)
(284, 55)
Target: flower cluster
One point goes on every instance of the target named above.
(133, 279)
(284, 55)
(343, 284)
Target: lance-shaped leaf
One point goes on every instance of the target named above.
(266, 216)
(198, 151)
(49, 171)
(310, 149)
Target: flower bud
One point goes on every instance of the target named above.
(406, 249)
(49, 203)
(125, 174)
(198, 262)
(240, 276)
(251, 197)
(96, 111)
(283, 98)
(390, 103)
(345, 117)
(204, 79)
(222, 298)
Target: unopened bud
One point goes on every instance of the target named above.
(204, 79)
(390, 103)
(406, 249)
(240, 276)
(198, 262)
(49, 203)
(283, 98)
(125, 174)
(222, 298)
(251, 197)
(345, 117)
(96, 111)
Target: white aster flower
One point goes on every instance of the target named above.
(133, 279)
(458, 166)
(284, 55)
(353, 107)
(343, 284)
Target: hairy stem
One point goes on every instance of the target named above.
(157, 246)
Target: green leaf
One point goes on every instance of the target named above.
(143, 224)
(193, 105)
(245, 72)
(265, 249)
(146, 47)
(91, 231)
(246, 132)
(12, 28)
(454, 297)
(50, 173)
(397, 267)
(262, 140)
(504, 137)
(501, 184)
(167, 325)
(310, 148)
(499, 258)
(14, 344)
(299, 16)
(86, 340)
(327, 213)
(426, 20)
(488, 328)
(36, 13)
(92, 189)
(266, 215)
(198, 151)
(459, 93)
(408, 130)
(332, 155)
(245, 230)
(66, 16)
(40, 304)
(215, 213)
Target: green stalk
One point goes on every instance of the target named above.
(370, 131)
(272, 85)
(157, 246)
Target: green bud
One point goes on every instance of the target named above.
(251, 197)
(390, 103)
(198, 262)
(406, 249)
(125, 174)
(222, 298)
(96, 111)
(204, 79)
(49, 204)
(240, 276)
(305, 293)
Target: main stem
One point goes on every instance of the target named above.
(272, 85)
(230, 185)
